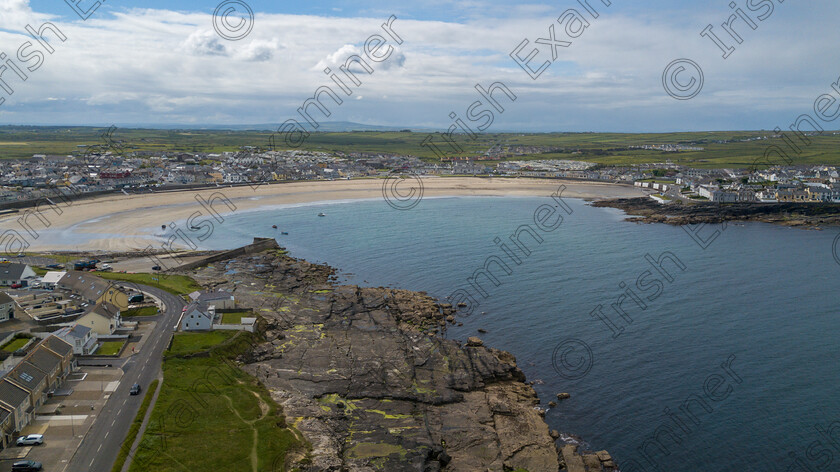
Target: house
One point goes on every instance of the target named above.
(30, 378)
(49, 363)
(198, 317)
(103, 318)
(82, 338)
(7, 426)
(221, 299)
(93, 289)
(64, 350)
(16, 400)
(7, 307)
(12, 273)
(50, 279)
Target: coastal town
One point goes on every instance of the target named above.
(99, 171)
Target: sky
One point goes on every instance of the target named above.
(144, 63)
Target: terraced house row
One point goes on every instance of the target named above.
(28, 385)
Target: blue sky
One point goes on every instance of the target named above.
(154, 62)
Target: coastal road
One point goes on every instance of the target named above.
(100, 447)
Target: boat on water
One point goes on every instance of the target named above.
(285, 233)
(322, 214)
(274, 226)
(163, 227)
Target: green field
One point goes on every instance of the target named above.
(110, 348)
(15, 344)
(142, 311)
(226, 420)
(235, 317)
(602, 148)
(174, 284)
(185, 343)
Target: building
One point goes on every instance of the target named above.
(7, 426)
(93, 289)
(51, 279)
(221, 299)
(103, 318)
(16, 400)
(11, 273)
(7, 307)
(28, 384)
(30, 378)
(82, 338)
(198, 317)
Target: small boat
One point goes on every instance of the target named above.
(274, 226)
(284, 233)
(322, 214)
(195, 227)
(163, 227)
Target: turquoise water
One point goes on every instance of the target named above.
(766, 295)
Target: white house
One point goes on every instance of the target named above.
(51, 279)
(11, 273)
(198, 317)
(82, 338)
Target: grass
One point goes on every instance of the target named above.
(135, 427)
(110, 348)
(142, 311)
(235, 317)
(225, 419)
(174, 284)
(185, 343)
(15, 344)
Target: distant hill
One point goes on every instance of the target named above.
(330, 126)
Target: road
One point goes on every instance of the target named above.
(99, 449)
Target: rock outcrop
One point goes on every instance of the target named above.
(361, 373)
(646, 210)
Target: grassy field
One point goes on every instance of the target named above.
(135, 427)
(174, 284)
(186, 343)
(110, 348)
(602, 148)
(210, 415)
(142, 311)
(15, 344)
(235, 317)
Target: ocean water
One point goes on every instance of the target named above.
(732, 365)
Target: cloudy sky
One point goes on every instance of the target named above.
(145, 62)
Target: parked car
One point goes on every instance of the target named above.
(135, 390)
(55, 266)
(17, 286)
(26, 466)
(31, 440)
(155, 267)
(21, 255)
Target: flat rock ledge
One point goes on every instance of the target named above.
(364, 376)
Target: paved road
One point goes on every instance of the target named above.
(99, 449)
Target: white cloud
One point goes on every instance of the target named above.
(159, 65)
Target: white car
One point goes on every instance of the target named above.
(31, 440)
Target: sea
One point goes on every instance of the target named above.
(702, 348)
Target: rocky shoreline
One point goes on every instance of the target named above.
(804, 215)
(365, 376)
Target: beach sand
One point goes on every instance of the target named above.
(126, 221)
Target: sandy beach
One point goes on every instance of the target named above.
(126, 221)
